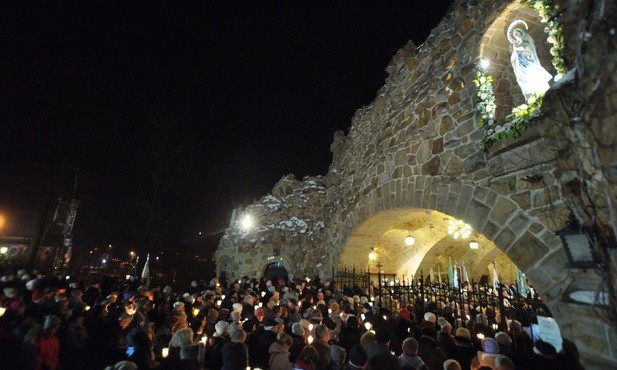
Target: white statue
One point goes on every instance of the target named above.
(530, 75)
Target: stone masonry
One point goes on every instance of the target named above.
(417, 146)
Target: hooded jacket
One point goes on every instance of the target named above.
(279, 357)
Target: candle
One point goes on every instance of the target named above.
(261, 304)
(310, 327)
(204, 339)
(87, 308)
(329, 310)
(2, 311)
(362, 317)
(480, 336)
(309, 339)
(368, 325)
(223, 296)
(165, 352)
(218, 303)
(195, 311)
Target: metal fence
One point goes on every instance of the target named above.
(473, 301)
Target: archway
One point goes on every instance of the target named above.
(276, 271)
(432, 251)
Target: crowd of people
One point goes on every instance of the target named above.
(53, 321)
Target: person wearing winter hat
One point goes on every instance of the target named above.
(504, 363)
(235, 353)
(178, 306)
(214, 351)
(237, 307)
(451, 364)
(409, 359)
(299, 341)
(429, 320)
(221, 329)
(463, 350)
(48, 345)
(381, 344)
(261, 354)
(428, 350)
(357, 358)
(505, 346)
(486, 357)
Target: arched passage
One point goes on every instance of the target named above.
(433, 247)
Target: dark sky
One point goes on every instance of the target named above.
(245, 92)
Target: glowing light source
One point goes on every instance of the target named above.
(4, 249)
(484, 63)
(372, 256)
(410, 240)
(2, 311)
(368, 325)
(309, 339)
(247, 222)
(459, 229)
(165, 352)
(474, 244)
(195, 311)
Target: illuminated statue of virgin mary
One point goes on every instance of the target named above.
(530, 75)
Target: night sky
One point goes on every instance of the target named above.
(241, 93)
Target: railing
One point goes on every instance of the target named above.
(475, 302)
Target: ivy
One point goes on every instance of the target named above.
(520, 118)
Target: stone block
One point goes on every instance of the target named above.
(454, 99)
(437, 146)
(446, 125)
(522, 199)
(424, 152)
(527, 251)
(502, 210)
(480, 193)
(477, 213)
(432, 166)
(504, 185)
(504, 239)
(454, 166)
(418, 197)
(519, 223)
(489, 230)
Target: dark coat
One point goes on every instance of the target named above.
(235, 356)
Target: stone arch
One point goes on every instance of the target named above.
(284, 260)
(530, 244)
(495, 47)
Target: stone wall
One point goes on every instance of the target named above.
(417, 146)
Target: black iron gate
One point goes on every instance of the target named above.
(480, 303)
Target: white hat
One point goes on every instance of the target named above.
(429, 316)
